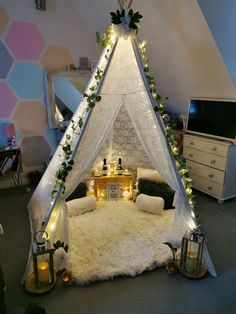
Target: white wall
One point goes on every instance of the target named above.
(183, 55)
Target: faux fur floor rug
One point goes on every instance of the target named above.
(117, 239)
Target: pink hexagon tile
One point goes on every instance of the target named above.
(30, 117)
(56, 57)
(7, 100)
(4, 18)
(24, 40)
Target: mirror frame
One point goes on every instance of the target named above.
(49, 90)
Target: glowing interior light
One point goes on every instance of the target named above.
(192, 214)
(188, 191)
(52, 226)
(191, 225)
(53, 214)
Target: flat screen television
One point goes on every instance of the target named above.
(215, 118)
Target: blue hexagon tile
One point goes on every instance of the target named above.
(27, 80)
(6, 61)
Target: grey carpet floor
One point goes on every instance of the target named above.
(151, 292)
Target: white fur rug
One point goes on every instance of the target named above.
(117, 239)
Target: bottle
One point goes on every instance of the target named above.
(13, 141)
(104, 169)
(119, 170)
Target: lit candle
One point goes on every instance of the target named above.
(191, 259)
(190, 262)
(43, 272)
(126, 171)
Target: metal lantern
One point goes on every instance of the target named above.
(191, 254)
(43, 278)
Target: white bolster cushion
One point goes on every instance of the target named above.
(81, 205)
(151, 204)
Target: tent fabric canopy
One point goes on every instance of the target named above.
(123, 91)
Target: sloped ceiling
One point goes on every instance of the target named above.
(184, 58)
(220, 16)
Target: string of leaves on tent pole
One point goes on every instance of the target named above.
(104, 40)
(91, 98)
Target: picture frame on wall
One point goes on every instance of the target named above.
(93, 64)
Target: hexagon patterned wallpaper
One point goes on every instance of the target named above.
(26, 48)
(27, 80)
(6, 61)
(7, 100)
(24, 40)
(26, 114)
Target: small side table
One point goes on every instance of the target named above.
(114, 187)
(11, 164)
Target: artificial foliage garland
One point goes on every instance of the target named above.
(130, 20)
(105, 40)
(91, 98)
(160, 100)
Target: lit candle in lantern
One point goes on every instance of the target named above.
(191, 258)
(43, 272)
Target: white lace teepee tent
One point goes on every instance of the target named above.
(118, 84)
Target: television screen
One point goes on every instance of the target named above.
(215, 118)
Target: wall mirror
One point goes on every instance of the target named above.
(64, 91)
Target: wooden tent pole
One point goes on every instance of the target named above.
(120, 4)
(125, 4)
(130, 4)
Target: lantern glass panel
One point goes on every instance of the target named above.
(191, 253)
(43, 267)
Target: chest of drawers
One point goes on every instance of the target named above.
(212, 165)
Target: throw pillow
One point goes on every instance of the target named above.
(81, 205)
(80, 191)
(151, 204)
(149, 174)
(160, 189)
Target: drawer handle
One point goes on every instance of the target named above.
(214, 149)
(213, 161)
(211, 175)
(190, 154)
(192, 143)
(209, 188)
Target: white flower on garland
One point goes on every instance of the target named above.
(123, 29)
(126, 22)
(61, 259)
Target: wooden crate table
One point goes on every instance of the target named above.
(114, 187)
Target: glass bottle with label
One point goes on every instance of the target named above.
(119, 170)
(104, 169)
